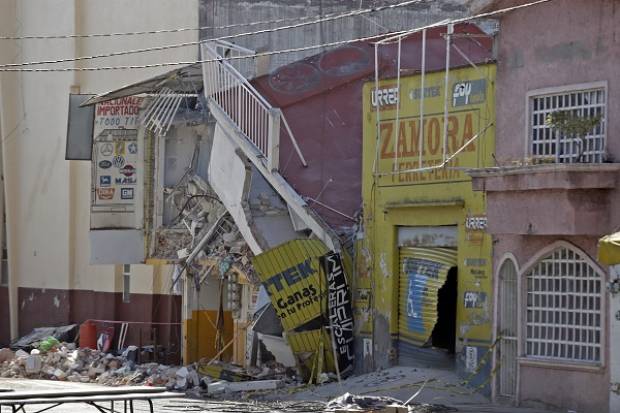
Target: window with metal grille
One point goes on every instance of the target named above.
(562, 147)
(564, 317)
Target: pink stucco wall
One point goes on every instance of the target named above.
(561, 43)
(556, 387)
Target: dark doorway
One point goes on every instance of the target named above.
(444, 333)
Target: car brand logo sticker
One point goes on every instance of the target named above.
(128, 170)
(105, 164)
(105, 180)
(105, 194)
(132, 148)
(118, 161)
(107, 149)
(126, 193)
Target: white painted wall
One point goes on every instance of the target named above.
(47, 197)
(229, 179)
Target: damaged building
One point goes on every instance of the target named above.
(241, 160)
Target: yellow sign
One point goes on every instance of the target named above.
(306, 346)
(412, 148)
(291, 275)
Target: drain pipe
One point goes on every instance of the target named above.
(7, 20)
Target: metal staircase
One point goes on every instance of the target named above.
(254, 125)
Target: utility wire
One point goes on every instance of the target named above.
(146, 66)
(178, 30)
(385, 36)
(393, 38)
(231, 36)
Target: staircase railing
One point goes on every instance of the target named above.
(241, 102)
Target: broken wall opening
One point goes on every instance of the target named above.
(444, 334)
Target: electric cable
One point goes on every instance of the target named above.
(227, 37)
(385, 36)
(160, 31)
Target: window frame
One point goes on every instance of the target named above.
(577, 87)
(524, 358)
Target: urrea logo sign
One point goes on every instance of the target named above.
(384, 97)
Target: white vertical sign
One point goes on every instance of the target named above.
(116, 155)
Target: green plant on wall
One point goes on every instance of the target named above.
(570, 124)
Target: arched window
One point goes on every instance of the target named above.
(564, 308)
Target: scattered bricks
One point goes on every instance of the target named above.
(59, 374)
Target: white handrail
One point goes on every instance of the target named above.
(246, 108)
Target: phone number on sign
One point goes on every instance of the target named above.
(117, 121)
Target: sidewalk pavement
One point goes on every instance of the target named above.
(439, 387)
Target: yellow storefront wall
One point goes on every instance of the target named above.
(201, 331)
(433, 197)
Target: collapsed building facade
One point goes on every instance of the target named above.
(243, 173)
(232, 163)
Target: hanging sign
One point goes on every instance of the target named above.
(115, 154)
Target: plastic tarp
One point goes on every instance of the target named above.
(62, 333)
(609, 249)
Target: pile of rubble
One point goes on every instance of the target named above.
(66, 363)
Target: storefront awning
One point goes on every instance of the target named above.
(609, 249)
(187, 79)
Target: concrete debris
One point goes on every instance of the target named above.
(231, 387)
(84, 365)
(6, 354)
(350, 403)
(169, 241)
(33, 364)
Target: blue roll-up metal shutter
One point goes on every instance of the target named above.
(423, 271)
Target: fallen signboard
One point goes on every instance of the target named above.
(339, 311)
(308, 289)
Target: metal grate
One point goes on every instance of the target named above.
(160, 114)
(547, 142)
(564, 318)
(508, 329)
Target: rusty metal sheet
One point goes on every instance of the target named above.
(423, 271)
